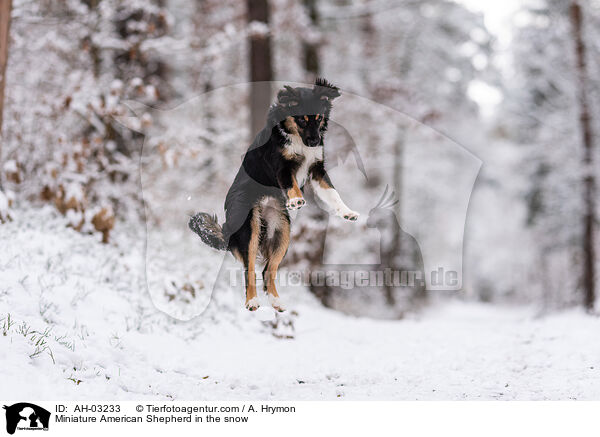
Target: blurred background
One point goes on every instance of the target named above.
(515, 84)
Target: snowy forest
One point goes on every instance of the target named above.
(466, 136)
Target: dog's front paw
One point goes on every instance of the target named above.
(295, 203)
(252, 304)
(348, 215)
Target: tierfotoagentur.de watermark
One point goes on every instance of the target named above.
(350, 279)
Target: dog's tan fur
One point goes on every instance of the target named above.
(295, 191)
(273, 261)
(252, 253)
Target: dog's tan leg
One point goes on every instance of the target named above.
(270, 273)
(251, 297)
(294, 195)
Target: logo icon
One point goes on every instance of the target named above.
(26, 416)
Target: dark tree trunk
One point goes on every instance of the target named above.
(390, 257)
(5, 8)
(312, 65)
(261, 72)
(589, 255)
(311, 54)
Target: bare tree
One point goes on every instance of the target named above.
(589, 182)
(317, 217)
(311, 53)
(5, 8)
(261, 71)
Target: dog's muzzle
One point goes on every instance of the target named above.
(313, 142)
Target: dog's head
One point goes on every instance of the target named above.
(306, 110)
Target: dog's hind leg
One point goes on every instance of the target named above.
(250, 262)
(278, 250)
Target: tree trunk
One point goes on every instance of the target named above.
(391, 257)
(5, 8)
(311, 54)
(589, 182)
(396, 248)
(261, 72)
(312, 65)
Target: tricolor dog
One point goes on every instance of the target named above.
(285, 156)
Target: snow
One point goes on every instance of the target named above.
(4, 213)
(258, 28)
(82, 326)
(10, 166)
(136, 81)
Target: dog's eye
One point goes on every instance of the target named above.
(301, 121)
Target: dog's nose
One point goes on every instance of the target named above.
(313, 141)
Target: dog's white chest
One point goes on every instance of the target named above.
(310, 154)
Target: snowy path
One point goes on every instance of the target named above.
(103, 339)
(460, 351)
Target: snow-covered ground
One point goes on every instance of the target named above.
(78, 323)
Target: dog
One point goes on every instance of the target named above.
(287, 154)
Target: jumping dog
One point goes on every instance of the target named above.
(285, 155)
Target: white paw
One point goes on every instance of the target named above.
(295, 203)
(252, 304)
(276, 303)
(348, 215)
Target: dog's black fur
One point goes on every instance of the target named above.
(289, 148)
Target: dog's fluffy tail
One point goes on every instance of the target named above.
(209, 230)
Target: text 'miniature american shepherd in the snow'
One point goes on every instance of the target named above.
(285, 155)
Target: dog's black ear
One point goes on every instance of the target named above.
(326, 90)
(288, 96)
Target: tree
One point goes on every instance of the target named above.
(5, 8)
(261, 71)
(311, 53)
(551, 108)
(589, 204)
(316, 225)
